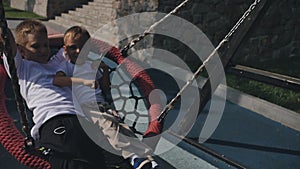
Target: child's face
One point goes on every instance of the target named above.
(36, 48)
(72, 49)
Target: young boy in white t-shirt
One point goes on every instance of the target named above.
(88, 83)
(56, 122)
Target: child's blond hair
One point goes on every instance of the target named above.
(76, 32)
(27, 27)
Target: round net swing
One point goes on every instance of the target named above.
(139, 88)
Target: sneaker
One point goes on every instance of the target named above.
(142, 163)
(155, 165)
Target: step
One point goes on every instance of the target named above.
(93, 14)
(107, 4)
(97, 10)
(85, 20)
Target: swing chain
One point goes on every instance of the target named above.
(147, 31)
(242, 19)
(170, 105)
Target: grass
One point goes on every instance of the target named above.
(277, 95)
(12, 13)
(283, 97)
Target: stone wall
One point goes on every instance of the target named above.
(272, 44)
(46, 8)
(128, 7)
(213, 17)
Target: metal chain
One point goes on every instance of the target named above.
(146, 32)
(169, 106)
(6, 49)
(242, 19)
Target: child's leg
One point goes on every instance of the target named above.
(70, 147)
(118, 134)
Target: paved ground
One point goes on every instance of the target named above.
(248, 137)
(243, 136)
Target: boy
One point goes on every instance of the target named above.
(80, 73)
(56, 126)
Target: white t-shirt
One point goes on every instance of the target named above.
(81, 93)
(36, 86)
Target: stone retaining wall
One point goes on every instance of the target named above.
(273, 41)
(128, 7)
(46, 8)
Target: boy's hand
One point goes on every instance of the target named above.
(104, 67)
(100, 65)
(91, 83)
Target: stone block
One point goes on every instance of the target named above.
(46, 8)
(19, 4)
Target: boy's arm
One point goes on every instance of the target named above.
(61, 80)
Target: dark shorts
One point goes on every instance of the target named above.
(72, 148)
